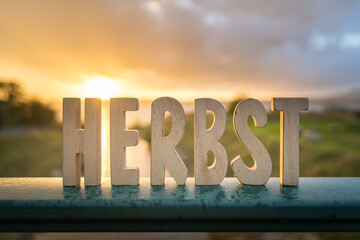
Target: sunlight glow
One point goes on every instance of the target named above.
(154, 6)
(102, 87)
(105, 147)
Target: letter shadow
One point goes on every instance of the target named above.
(289, 192)
(92, 192)
(73, 192)
(250, 191)
(210, 192)
(125, 192)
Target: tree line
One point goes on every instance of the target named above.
(16, 110)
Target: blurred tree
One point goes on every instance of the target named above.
(233, 104)
(16, 111)
(40, 114)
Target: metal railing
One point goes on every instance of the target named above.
(44, 205)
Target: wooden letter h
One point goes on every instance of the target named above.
(86, 141)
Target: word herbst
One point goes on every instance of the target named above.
(163, 153)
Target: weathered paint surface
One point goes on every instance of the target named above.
(315, 199)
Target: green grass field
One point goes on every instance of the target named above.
(329, 147)
(33, 154)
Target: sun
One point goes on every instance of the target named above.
(102, 87)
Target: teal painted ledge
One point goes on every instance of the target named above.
(44, 205)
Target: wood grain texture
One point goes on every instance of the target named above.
(289, 137)
(72, 146)
(120, 138)
(260, 173)
(163, 153)
(77, 140)
(207, 140)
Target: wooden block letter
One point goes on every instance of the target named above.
(260, 173)
(120, 138)
(163, 153)
(77, 140)
(289, 137)
(207, 140)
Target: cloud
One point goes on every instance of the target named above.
(350, 41)
(282, 46)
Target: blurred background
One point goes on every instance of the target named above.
(226, 50)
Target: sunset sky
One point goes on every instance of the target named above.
(182, 48)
